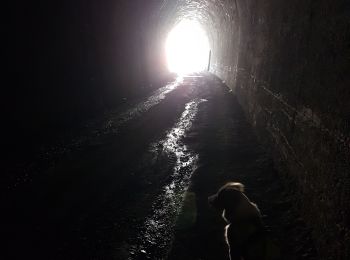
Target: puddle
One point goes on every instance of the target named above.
(155, 238)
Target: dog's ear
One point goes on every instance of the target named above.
(215, 202)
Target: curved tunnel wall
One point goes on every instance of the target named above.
(293, 85)
(287, 62)
(70, 61)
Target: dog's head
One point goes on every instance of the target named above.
(235, 205)
(228, 195)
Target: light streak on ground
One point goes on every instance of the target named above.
(155, 239)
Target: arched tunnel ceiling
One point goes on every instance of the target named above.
(214, 15)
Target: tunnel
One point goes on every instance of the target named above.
(285, 62)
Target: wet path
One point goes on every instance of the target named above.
(142, 175)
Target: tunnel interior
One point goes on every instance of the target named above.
(286, 62)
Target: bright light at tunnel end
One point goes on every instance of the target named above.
(187, 48)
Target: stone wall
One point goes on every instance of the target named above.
(293, 82)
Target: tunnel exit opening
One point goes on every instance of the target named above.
(187, 48)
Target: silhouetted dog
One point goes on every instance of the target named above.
(245, 233)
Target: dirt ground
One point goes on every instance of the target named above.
(135, 184)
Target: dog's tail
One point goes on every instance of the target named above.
(236, 185)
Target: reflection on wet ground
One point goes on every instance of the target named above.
(156, 235)
(116, 121)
